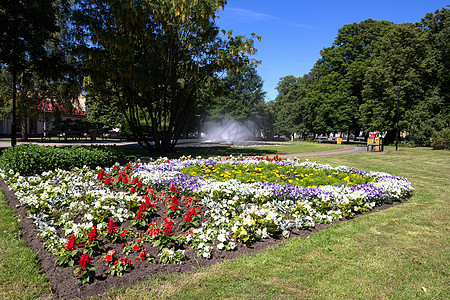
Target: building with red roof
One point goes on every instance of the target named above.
(48, 112)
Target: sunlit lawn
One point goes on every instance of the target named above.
(400, 253)
(296, 147)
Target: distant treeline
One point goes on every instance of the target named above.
(371, 68)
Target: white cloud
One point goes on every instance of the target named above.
(250, 15)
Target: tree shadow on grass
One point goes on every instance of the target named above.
(204, 152)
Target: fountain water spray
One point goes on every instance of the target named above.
(229, 132)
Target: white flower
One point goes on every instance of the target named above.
(248, 221)
(220, 246)
(221, 238)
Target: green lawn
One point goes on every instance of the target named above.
(296, 147)
(400, 253)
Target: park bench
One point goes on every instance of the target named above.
(359, 141)
(114, 135)
(376, 145)
(321, 139)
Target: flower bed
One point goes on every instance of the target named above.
(156, 212)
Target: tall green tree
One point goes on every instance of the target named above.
(104, 112)
(159, 58)
(433, 113)
(336, 94)
(289, 108)
(34, 57)
(242, 101)
(395, 79)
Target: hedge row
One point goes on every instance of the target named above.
(30, 159)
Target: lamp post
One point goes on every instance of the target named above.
(396, 123)
(14, 79)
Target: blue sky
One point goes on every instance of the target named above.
(294, 31)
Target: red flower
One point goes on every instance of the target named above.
(124, 233)
(139, 184)
(124, 261)
(110, 255)
(139, 215)
(132, 190)
(93, 234)
(112, 228)
(71, 243)
(168, 220)
(143, 254)
(136, 248)
(108, 180)
(173, 189)
(168, 229)
(84, 262)
(100, 175)
(192, 213)
(154, 232)
(173, 207)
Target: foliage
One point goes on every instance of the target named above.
(35, 46)
(289, 109)
(85, 271)
(158, 59)
(441, 139)
(242, 100)
(371, 69)
(104, 112)
(28, 159)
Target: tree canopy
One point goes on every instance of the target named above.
(372, 67)
(158, 59)
(35, 57)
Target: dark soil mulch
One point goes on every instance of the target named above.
(65, 284)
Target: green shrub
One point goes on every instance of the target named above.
(30, 159)
(421, 135)
(441, 139)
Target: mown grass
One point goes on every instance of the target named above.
(295, 147)
(19, 272)
(398, 253)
